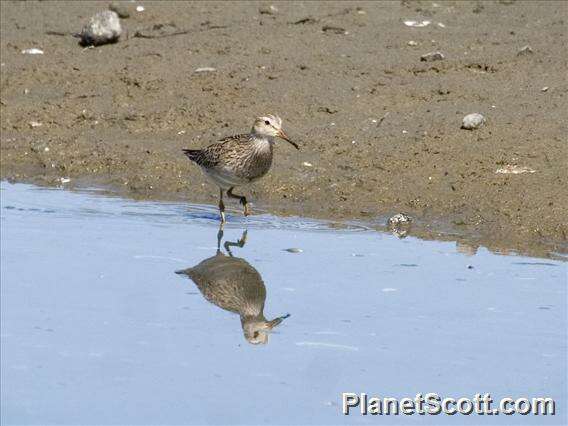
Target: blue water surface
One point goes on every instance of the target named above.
(97, 328)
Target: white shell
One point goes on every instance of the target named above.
(32, 51)
(103, 27)
(417, 24)
(473, 121)
(514, 170)
(525, 50)
(205, 69)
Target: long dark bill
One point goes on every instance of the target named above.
(287, 139)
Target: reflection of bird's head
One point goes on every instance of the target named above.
(256, 330)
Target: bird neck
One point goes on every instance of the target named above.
(260, 137)
(252, 316)
(262, 144)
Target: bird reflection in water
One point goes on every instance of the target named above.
(234, 285)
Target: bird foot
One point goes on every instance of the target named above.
(242, 241)
(247, 211)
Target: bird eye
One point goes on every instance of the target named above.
(267, 122)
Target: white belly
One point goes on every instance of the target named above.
(224, 178)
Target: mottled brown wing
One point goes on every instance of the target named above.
(227, 147)
(202, 157)
(212, 155)
(234, 139)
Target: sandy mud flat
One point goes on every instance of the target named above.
(379, 127)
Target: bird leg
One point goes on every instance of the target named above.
(242, 199)
(221, 207)
(240, 243)
(219, 237)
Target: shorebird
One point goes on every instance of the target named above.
(234, 285)
(240, 159)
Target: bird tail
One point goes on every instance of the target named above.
(192, 154)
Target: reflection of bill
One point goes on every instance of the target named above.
(433, 404)
(234, 285)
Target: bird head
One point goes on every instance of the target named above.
(256, 330)
(271, 126)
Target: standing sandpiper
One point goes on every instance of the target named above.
(240, 159)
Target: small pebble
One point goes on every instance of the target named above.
(294, 250)
(412, 43)
(305, 163)
(473, 121)
(441, 25)
(432, 56)
(65, 180)
(399, 218)
(140, 8)
(35, 124)
(268, 10)
(544, 89)
(103, 27)
(525, 50)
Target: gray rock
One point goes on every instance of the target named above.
(473, 121)
(103, 27)
(432, 56)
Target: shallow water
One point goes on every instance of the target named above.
(98, 328)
